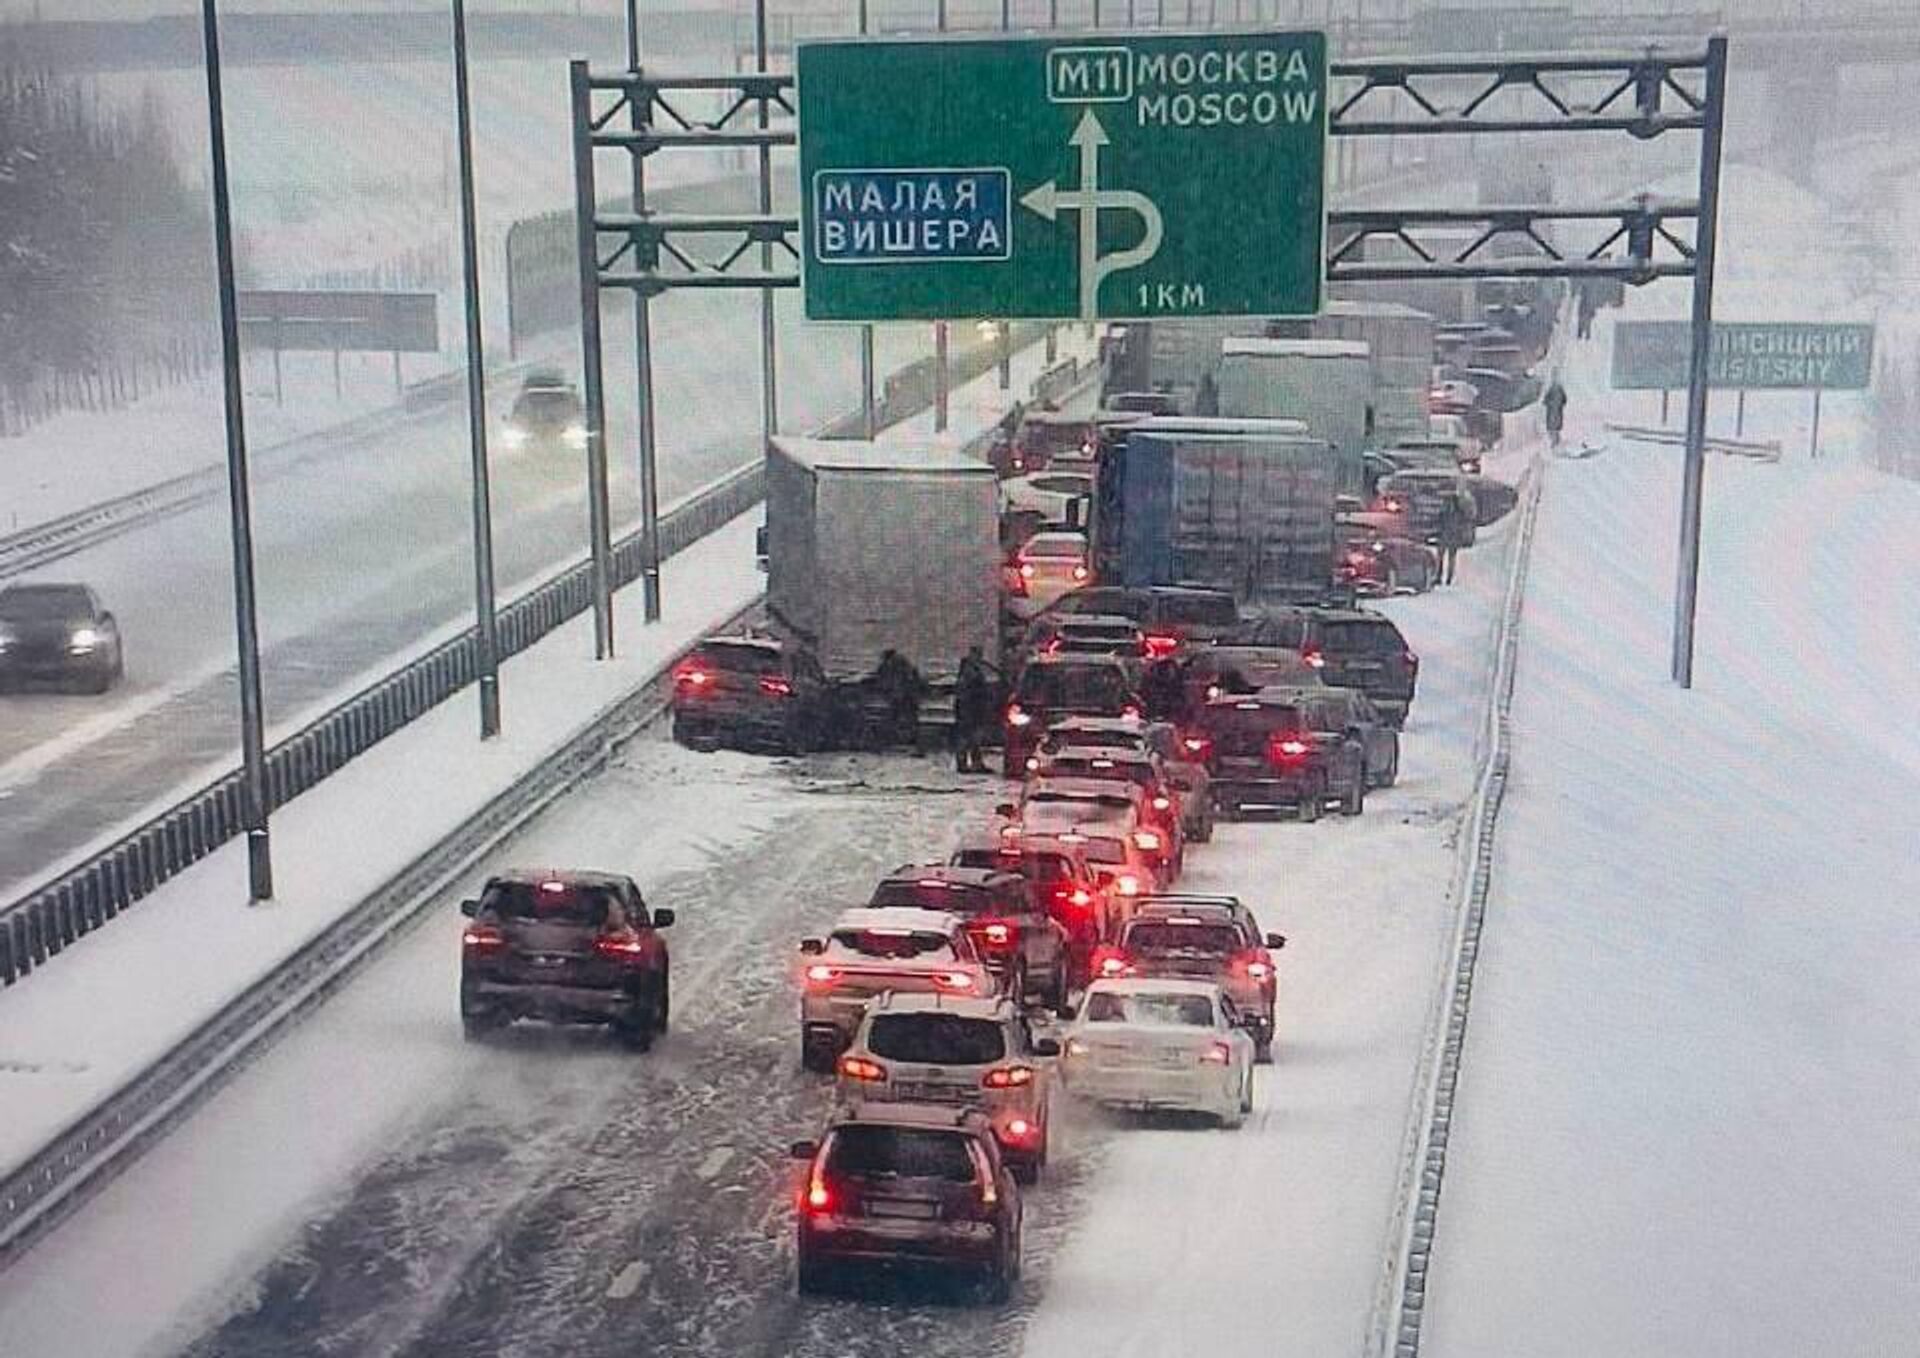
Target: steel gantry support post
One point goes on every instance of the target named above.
(253, 753)
(769, 375)
(1686, 595)
(643, 352)
(599, 508)
(486, 621)
(869, 412)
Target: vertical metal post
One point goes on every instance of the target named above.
(869, 413)
(1740, 413)
(1053, 345)
(769, 378)
(253, 750)
(940, 377)
(1665, 397)
(486, 631)
(643, 357)
(1053, 13)
(1686, 601)
(599, 510)
(1003, 337)
(1813, 438)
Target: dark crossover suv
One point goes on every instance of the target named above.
(752, 691)
(899, 1183)
(1264, 753)
(573, 947)
(59, 634)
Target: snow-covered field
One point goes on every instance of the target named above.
(1686, 1120)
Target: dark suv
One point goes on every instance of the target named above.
(1350, 647)
(573, 947)
(1264, 753)
(1018, 939)
(59, 634)
(756, 691)
(1055, 686)
(896, 1183)
(1169, 616)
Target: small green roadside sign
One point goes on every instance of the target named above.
(1093, 177)
(1749, 356)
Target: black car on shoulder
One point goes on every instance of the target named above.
(1350, 647)
(752, 691)
(1267, 751)
(58, 634)
(569, 947)
(1353, 712)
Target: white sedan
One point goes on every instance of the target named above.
(1050, 494)
(1159, 1043)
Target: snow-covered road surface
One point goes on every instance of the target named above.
(378, 1186)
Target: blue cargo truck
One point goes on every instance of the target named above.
(1241, 505)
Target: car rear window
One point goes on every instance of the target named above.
(557, 901)
(1204, 610)
(1171, 1011)
(1107, 851)
(40, 603)
(1057, 741)
(893, 945)
(1105, 801)
(1084, 686)
(901, 1153)
(1370, 637)
(739, 659)
(1047, 868)
(1119, 602)
(1286, 629)
(1094, 766)
(1100, 633)
(1157, 936)
(936, 1039)
(934, 895)
(1071, 549)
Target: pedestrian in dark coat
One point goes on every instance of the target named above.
(1457, 523)
(1554, 403)
(975, 696)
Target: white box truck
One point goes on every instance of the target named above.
(872, 546)
(1328, 383)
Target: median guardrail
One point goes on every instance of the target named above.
(88, 896)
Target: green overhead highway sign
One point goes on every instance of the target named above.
(1750, 356)
(1103, 176)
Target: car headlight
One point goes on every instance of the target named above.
(575, 435)
(82, 640)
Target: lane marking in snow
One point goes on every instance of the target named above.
(627, 1281)
(718, 1159)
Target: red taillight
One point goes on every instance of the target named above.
(1026, 570)
(998, 935)
(1313, 657)
(1357, 558)
(1053, 646)
(1146, 840)
(1076, 896)
(1288, 748)
(1016, 583)
(821, 974)
(1258, 966)
(775, 685)
(1162, 803)
(622, 946)
(1391, 505)
(482, 938)
(1198, 745)
(953, 980)
(819, 1197)
(1127, 884)
(1131, 712)
(1217, 1054)
(1079, 574)
(1159, 648)
(1018, 718)
(860, 1068)
(1007, 1077)
(1111, 962)
(1019, 1129)
(692, 677)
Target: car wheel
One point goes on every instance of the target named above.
(1392, 581)
(636, 1031)
(1226, 809)
(1263, 1052)
(99, 681)
(1393, 768)
(1203, 829)
(1356, 799)
(1026, 1173)
(999, 1288)
(663, 1005)
(479, 1027)
(685, 733)
(1231, 1119)
(816, 1056)
(1246, 1093)
(801, 738)
(814, 1278)
(1310, 801)
(1017, 986)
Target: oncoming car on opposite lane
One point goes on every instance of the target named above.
(58, 634)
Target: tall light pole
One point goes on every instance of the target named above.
(643, 360)
(487, 631)
(253, 753)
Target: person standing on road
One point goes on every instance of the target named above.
(1555, 405)
(1456, 531)
(974, 699)
(900, 686)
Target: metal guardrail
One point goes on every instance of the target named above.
(56, 914)
(1400, 1309)
(88, 1153)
